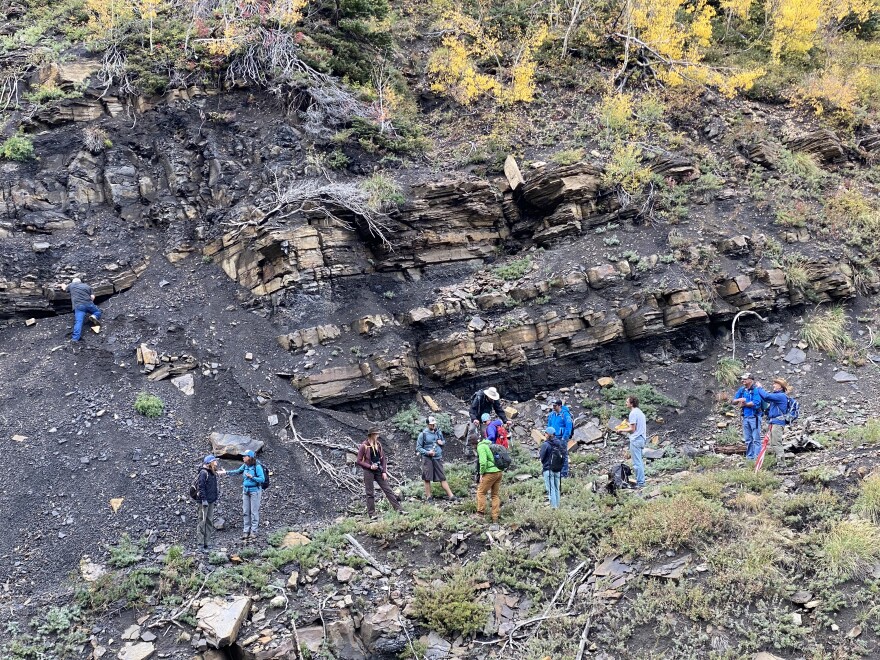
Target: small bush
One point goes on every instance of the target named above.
(650, 400)
(382, 192)
(821, 474)
(626, 170)
(454, 608)
(850, 549)
(728, 370)
(801, 166)
(46, 93)
(17, 147)
(798, 272)
(868, 434)
(149, 405)
(95, 139)
(513, 270)
(125, 553)
(826, 330)
(867, 504)
(412, 421)
(568, 156)
(615, 114)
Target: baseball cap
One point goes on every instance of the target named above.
(249, 454)
(746, 375)
(432, 420)
(210, 458)
(557, 402)
(485, 417)
(550, 430)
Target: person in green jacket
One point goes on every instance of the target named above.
(490, 480)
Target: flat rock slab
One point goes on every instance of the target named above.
(795, 356)
(294, 539)
(233, 446)
(674, 570)
(653, 454)
(845, 377)
(221, 620)
(588, 434)
(185, 383)
(139, 651)
(611, 567)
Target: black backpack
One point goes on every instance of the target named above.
(194, 486)
(557, 458)
(620, 476)
(265, 484)
(501, 457)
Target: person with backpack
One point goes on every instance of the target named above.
(781, 413)
(485, 402)
(561, 421)
(429, 445)
(371, 458)
(207, 494)
(497, 433)
(552, 455)
(748, 400)
(254, 477)
(490, 478)
(638, 432)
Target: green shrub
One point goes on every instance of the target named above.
(47, 92)
(826, 330)
(728, 370)
(454, 608)
(382, 191)
(17, 147)
(650, 400)
(850, 549)
(802, 167)
(513, 270)
(568, 156)
(149, 405)
(411, 421)
(126, 552)
(869, 433)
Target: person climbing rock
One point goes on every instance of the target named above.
(371, 457)
(778, 400)
(486, 401)
(561, 422)
(637, 437)
(82, 299)
(251, 494)
(552, 455)
(208, 494)
(430, 446)
(490, 480)
(748, 400)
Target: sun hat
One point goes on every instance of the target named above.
(492, 393)
(782, 383)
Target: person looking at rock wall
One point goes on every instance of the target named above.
(486, 402)
(82, 300)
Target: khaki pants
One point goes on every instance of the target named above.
(776, 433)
(490, 481)
(205, 525)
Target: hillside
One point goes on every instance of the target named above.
(328, 217)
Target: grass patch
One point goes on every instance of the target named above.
(453, 607)
(826, 330)
(568, 156)
(650, 400)
(802, 167)
(513, 270)
(382, 192)
(149, 405)
(867, 503)
(747, 479)
(850, 549)
(821, 475)
(668, 464)
(750, 566)
(125, 553)
(728, 370)
(868, 434)
(412, 421)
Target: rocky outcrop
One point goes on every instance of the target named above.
(822, 143)
(377, 376)
(221, 620)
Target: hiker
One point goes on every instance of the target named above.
(208, 494)
(561, 421)
(371, 458)
(637, 433)
(430, 445)
(552, 455)
(476, 433)
(497, 433)
(83, 302)
(778, 400)
(490, 480)
(486, 401)
(251, 493)
(748, 400)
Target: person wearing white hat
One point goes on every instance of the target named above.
(430, 446)
(486, 401)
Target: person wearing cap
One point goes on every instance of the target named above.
(371, 458)
(208, 494)
(562, 423)
(485, 402)
(496, 432)
(82, 299)
(552, 478)
(490, 480)
(430, 446)
(748, 400)
(251, 494)
(778, 400)
(638, 432)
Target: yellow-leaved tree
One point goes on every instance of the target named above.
(106, 17)
(798, 25)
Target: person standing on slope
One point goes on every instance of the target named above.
(637, 438)
(371, 458)
(251, 494)
(778, 400)
(748, 400)
(429, 445)
(561, 422)
(552, 455)
(485, 402)
(208, 493)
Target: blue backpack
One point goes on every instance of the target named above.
(792, 410)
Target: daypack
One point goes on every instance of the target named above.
(500, 456)
(620, 476)
(792, 410)
(265, 484)
(194, 486)
(557, 458)
(502, 437)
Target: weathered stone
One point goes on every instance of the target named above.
(605, 381)
(512, 172)
(220, 620)
(344, 574)
(229, 445)
(822, 142)
(549, 187)
(139, 651)
(384, 621)
(293, 540)
(795, 356)
(588, 434)
(185, 384)
(845, 377)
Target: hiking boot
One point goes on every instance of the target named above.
(402, 512)
(451, 498)
(93, 319)
(245, 536)
(373, 516)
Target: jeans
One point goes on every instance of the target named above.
(752, 436)
(79, 315)
(552, 484)
(490, 482)
(636, 445)
(250, 509)
(564, 472)
(206, 525)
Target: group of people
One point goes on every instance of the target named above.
(756, 403)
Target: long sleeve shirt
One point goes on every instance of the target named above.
(364, 458)
(428, 441)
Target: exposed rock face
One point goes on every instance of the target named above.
(822, 143)
(233, 446)
(379, 376)
(221, 620)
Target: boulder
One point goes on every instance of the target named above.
(220, 620)
(436, 648)
(185, 383)
(383, 622)
(795, 356)
(229, 445)
(294, 539)
(587, 434)
(139, 651)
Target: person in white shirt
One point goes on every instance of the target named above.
(637, 436)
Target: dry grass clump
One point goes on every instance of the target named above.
(850, 549)
(826, 330)
(867, 504)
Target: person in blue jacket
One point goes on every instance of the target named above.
(561, 421)
(251, 494)
(748, 400)
(778, 400)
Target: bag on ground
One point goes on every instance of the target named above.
(620, 476)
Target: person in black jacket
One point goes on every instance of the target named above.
(484, 402)
(209, 493)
